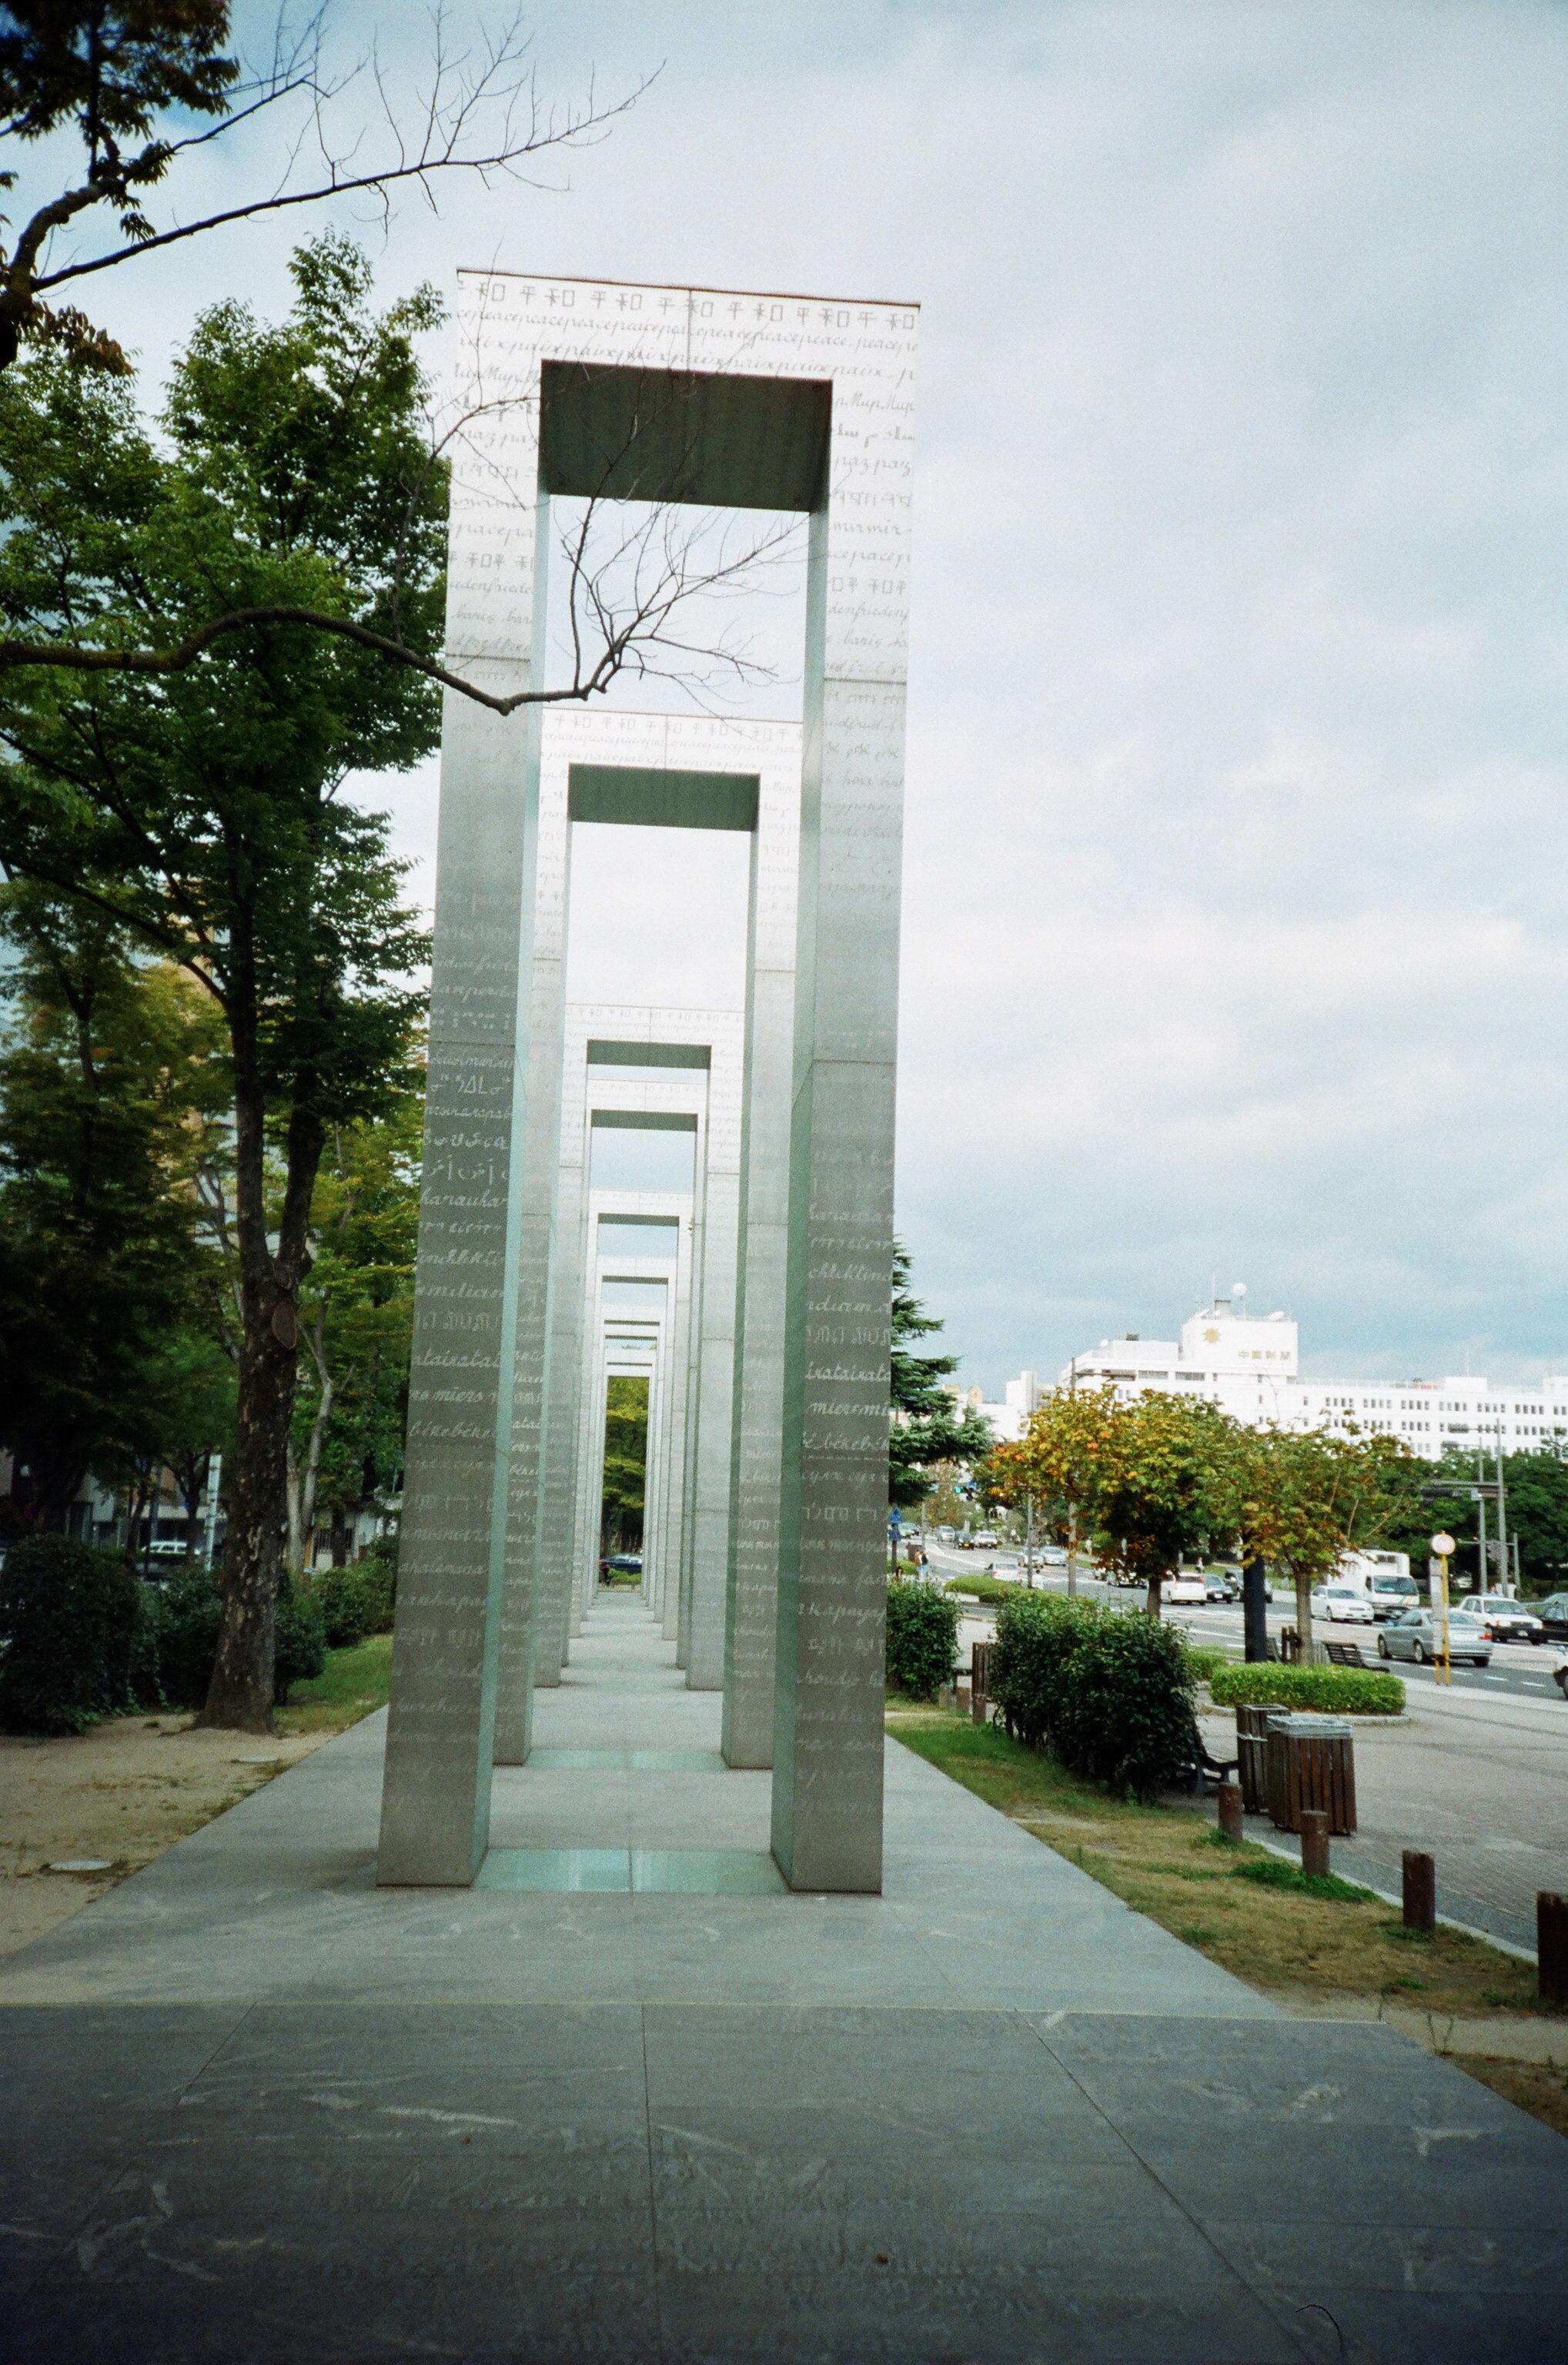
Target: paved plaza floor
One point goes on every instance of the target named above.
(628, 2100)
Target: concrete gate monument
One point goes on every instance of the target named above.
(603, 392)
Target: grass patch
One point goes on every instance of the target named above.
(1533, 2086)
(1273, 1928)
(1273, 1872)
(352, 1684)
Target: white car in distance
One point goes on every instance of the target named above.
(1342, 1605)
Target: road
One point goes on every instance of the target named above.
(1522, 1669)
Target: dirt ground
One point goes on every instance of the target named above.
(123, 1792)
(130, 1788)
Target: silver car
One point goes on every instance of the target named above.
(1418, 1634)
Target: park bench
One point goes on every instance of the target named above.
(1345, 1654)
(1203, 1773)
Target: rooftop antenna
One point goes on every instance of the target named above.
(1239, 1294)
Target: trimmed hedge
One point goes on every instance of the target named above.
(923, 1639)
(985, 1588)
(1336, 1691)
(1108, 1692)
(71, 1635)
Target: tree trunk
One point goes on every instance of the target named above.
(1304, 1616)
(1156, 1584)
(295, 1556)
(239, 1695)
(1071, 1548)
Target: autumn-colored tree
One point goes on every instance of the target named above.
(1059, 1460)
(1167, 1484)
(1307, 1496)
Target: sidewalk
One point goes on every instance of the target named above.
(629, 2100)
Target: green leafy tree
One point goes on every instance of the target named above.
(1167, 1485)
(110, 1085)
(293, 466)
(1309, 1496)
(625, 1462)
(926, 1432)
(357, 1318)
(1536, 1496)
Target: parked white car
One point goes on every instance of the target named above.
(1342, 1605)
(1187, 1586)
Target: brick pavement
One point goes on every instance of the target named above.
(1480, 1784)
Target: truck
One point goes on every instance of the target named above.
(1383, 1576)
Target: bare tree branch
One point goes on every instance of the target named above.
(479, 113)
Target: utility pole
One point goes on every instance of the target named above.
(1502, 1522)
(1254, 1611)
(1483, 1578)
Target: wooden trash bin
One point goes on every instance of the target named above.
(1311, 1764)
(1252, 1757)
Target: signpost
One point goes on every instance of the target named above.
(1443, 1545)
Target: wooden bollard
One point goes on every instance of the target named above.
(979, 1707)
(1228, 1800)
(1314, 1841)
(961, 1698)
(1551, 1946)
(1419, 1886)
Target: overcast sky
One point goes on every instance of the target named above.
(1236, 904)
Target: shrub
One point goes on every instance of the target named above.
(923, 1639)
(1108, 1692)
(68, 1623)
(378, 1572)
(301, 1640)
(188, 1615)
(348, 1604)
(1337, 1691)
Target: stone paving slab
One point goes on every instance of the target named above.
(664, 2183)
(259, 2111)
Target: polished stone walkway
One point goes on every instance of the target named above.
(260, 2112)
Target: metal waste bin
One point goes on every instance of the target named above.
(1311, 1764)
(1252, 1756)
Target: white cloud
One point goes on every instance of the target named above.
(1236, 927)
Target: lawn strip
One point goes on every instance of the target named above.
(1266, 1925)
(352, 1684)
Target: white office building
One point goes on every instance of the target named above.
(1249, 1366)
